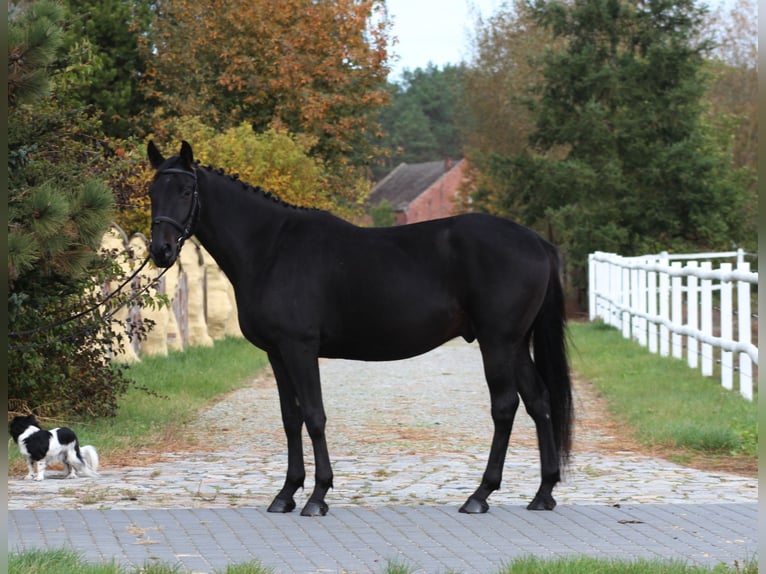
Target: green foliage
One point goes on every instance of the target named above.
(34, 37)
(59, 209)
(63, 561)
(383, 214)
(58, 366)
(275, 160)
(620, 158)
(420, 123)
(105, 34)
(587, 565)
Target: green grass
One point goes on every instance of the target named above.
(68, 562)
(663, 401)
(586, 565)
(64, 561)
(181, 385)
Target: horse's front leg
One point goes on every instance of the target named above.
(302, 368)
(292, 420)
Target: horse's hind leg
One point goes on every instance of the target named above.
(498, 368)
(537, 402)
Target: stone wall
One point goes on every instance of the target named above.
(202, 306)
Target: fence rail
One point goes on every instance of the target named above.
(677, 303)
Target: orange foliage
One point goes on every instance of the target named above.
(274, 160)
(129, 177)
(318, 68)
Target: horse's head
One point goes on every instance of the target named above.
(175, 203)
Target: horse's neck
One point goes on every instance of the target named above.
(239, 227)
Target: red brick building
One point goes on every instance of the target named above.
(420, 191)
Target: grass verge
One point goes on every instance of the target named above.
(671, 409)
(64, 561)
(586, 565)
(666, 405)
(181, 385)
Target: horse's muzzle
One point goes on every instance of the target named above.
(163, 254)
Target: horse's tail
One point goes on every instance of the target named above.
(549, 342)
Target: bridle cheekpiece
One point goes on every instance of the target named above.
(185, 229)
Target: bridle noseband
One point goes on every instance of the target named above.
(185, 229)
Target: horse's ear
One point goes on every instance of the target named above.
(155, 157)
(187, 156)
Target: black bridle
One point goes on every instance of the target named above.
(185, 229)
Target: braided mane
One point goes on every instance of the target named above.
(254, 188)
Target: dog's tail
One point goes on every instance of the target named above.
(89, 457)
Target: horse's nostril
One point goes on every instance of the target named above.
(163, 255)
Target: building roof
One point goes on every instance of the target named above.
(408, 181)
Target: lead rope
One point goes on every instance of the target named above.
(85, 312)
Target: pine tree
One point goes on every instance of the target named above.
(34, 36)
(57, 214)
(107, 32)
(621, 158)
(421, 121)
(58, 211)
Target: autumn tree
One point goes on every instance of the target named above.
(316, 68)
(497, 100)
(733, 89)
(275, 160)
(499, 84)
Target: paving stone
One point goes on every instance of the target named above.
(408, 441)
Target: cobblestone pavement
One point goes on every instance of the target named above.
(410, 432)
(407, 435)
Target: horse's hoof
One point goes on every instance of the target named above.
(282, 506)
(473, 506)
(542, 503)
(315, 509)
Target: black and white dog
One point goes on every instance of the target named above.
(44, 447)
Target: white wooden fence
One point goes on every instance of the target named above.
(679, 304)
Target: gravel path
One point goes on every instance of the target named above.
(405, 433)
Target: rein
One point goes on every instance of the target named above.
(185, 229)
(88, 311)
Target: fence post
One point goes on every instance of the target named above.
(615, 274)
(677, 310)
(651, 293)
(593, 286)
(625, 296)
(641, 322)
(706, 312)
(664, 296)
(727, 358)
(743, 319)
(665, 306)
(692, 316)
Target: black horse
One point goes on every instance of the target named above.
(311, 285)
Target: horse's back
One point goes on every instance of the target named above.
(397, 292)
